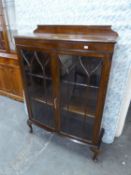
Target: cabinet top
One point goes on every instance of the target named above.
(83, 33)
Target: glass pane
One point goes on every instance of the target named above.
(2, 43)
(0, 9)
(79, 81)
(10, 12)
(39, 85)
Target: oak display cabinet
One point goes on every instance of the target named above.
(10, 79)
(65, 72)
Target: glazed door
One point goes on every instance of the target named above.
(37, 71)
(79, 86)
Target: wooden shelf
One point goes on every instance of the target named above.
(80, 110)
(78, 106)
(47, 102)
(82, 99)
(90, 110)
(74, 106)
(63, 81)
(39, 76)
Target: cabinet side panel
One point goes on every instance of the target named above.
(101, 96)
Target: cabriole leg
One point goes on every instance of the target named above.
(30, 125)
(96, 150)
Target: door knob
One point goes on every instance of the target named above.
(55, 102)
